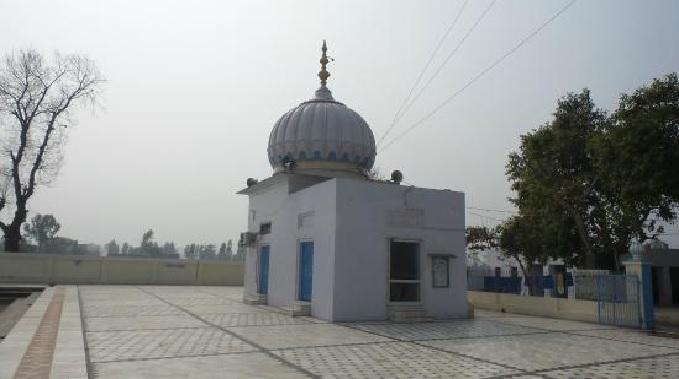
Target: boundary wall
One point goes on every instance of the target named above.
(82, 269)
(568, 309)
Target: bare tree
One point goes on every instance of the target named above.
(36, 97)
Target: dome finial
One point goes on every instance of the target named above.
(324, 74)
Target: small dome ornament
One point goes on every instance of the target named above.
(324, 74)
(321, 133)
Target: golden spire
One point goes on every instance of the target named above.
(324, 74)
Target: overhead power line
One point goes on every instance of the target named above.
(424, 69)
(480, 74)
(491, 210)
(486, 217)
(443, 64)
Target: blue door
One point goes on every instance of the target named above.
(306, 266)
(263, 270)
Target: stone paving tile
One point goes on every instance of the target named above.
(94, 324)
(243, 365)
(546, 351)
(657, 367)
(225, 308)
(388, 360)
(485, 314)
(179, 292)
(106, 293)
(630, 335)
(113, 310)
(253, 319)
(552, 323)
(443, 330)
(142, 344)
(184, 302)
(285, 336)
(234, 293)
(100, 304)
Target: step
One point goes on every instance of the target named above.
(255, 299)
(298, 308)
(408, 314)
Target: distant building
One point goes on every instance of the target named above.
(62, 245)
(483, 265)
(89, 249)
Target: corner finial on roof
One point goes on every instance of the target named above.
(324, 74)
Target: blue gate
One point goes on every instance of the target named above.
(306, 266)
(618, 300)
(263, 286)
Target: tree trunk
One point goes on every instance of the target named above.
(13, 238)
(529, 283)
(13, 230)
(582, 232)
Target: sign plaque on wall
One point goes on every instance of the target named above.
(439, 266)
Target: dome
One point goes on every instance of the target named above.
(322, 133)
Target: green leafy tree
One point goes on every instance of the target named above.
(519, 239)
(552, 177)
(112, 248)
(588, 183)
(148, 246)
(169, 248)
(637, 164)
(222, 250)
(125, 248)
(229, 249)
(190, 251)
(208, 251)
(147, 239)
(42, 228)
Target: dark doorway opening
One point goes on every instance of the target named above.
(404, 271)
(655, 281)
(674, 279)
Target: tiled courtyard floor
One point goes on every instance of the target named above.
(196, 332)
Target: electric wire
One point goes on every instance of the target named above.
(479, 75)
(485, 217)
(491, 210)
(424, 69)
(443, 64)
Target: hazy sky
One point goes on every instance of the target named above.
(194, 87)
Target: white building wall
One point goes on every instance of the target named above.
(351, 223)
(368, 217)
(283, 210)
(263, 206)
(318, 204)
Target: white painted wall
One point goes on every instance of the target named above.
(351, 227)
(319, 199)
(263, 206)
(282, 209)
(363, 234)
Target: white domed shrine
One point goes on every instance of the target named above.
(325, 240)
